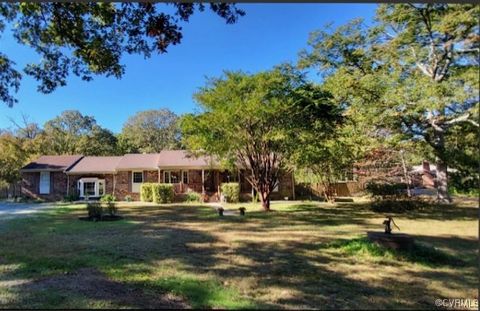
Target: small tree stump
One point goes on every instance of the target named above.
(242, 211)
(399, 241)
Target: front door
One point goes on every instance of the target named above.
(44, 183)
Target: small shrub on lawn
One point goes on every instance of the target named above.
(421, 254)
(107, 198)
(162, 193)
(95, 210)
(231, 192)
(192, 196)
(70, 198)
(146, 192)
(128, 198)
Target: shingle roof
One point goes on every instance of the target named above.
(53, 163)
(96, 165)
(138, 161)
(152, 161)
(181, 158)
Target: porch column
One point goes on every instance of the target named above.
(159, 175)
(68, 184)
(203, 181)
(114, 182)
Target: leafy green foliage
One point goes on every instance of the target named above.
(95, 210)
(420, 253)
(87, 39)
(150, 131)
(231, 192)
(162, 193)
(402, 205)
(70, 198)
(381, 191)
(412, 75)
(192, 196)
(128, 198)
(146, 192)
(108, 198)
(255, 120)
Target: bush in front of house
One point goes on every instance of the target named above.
(192, 196)
(146, 192)
(128, 198)
(231, 192)
(70, 198)
(107, 198)
(384, 190)
(162, 193)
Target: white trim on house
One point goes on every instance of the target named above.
(136, 185)
(98, 186)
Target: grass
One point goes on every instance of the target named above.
(300, 255)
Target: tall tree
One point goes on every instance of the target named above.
(414, 73)
(73, 133)
(151, 131)
(254, 120)
(12, 158)
(89, 38)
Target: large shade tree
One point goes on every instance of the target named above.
(150, 131)
(413, 73)
(73, 133)
(90, 38)
(254, 120)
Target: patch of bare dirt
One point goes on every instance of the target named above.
(93, 284)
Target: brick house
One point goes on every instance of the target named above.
(53, 177)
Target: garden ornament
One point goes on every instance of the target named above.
(387, 223)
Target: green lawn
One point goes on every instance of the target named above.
(301, 255)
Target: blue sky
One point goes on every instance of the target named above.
(267, 35)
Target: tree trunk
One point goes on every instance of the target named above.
(265, 199)
(442, 182)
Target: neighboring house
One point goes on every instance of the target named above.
(53, 177)
(425, 175)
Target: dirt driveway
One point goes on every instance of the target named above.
(8, 209)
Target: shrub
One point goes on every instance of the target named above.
(95, 210)
(111, 208)
(107, 198)
(231, 192)
(70, 198)
(162, 193)
(192, 196)
(385, 190)
(400, 205)
(146, 192)
(128, 198)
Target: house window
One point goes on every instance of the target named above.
(185, 177)
(44, 182)
(89, 189)
(137, 177)
(171, 177)
(166, 177)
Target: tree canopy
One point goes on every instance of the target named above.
(254, 120)
(90, 38)
(413, 74)
(150, 131)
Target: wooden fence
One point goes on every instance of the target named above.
(343, 189)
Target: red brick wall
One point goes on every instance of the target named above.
(31, 186)
(123, 183)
